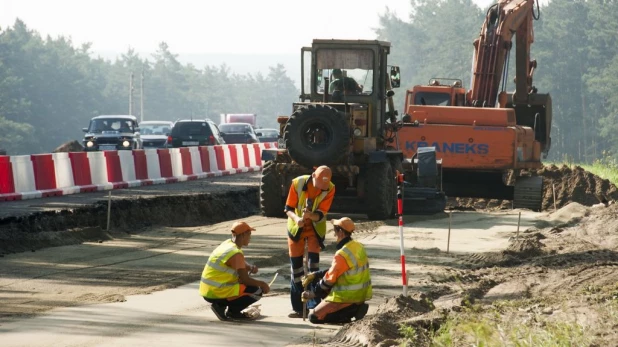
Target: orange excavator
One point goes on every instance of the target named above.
(487, 138)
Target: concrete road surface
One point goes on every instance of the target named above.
(66, 279)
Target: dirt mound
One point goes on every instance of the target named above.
(384, 324)
(575, 185)
(71, 146)
(570, 185)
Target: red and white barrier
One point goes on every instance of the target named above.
(42, 175)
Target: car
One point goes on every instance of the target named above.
(267, 135)
(154, 133)
(195, 132)
(112, 132)
(238, 133)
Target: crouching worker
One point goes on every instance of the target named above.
(226, 283)
(346, 285)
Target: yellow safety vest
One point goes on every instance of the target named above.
(354, 285)
(319, 226)
(220, 281)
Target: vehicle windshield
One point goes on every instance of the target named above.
(155, 128)
(103, 125)
(235, 128)
(352, 66)
(432, 99)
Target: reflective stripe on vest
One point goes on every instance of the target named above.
(319, 226)
(354, 285)
(220, 281)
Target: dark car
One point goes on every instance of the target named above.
(112, 132)
(238, 133)
(267, 135)
(202, 132)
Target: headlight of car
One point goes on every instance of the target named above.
(126, 143)
(89, 144)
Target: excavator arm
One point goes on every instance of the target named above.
(503, 20)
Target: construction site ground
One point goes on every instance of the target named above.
(555, 280)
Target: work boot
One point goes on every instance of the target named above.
(236, 315)
(219, 311)
(362, 311)
(295, 315)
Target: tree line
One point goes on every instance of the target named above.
(49, 88)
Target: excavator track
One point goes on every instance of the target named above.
(528, 193)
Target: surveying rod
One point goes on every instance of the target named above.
(404, 276)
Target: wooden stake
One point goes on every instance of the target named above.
(553, 189)
(448, 240)
(109, 208)
(518, 223)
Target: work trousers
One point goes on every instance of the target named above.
(341, 315)
(296, 251)
(249, 296)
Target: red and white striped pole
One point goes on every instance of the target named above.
(404, 275)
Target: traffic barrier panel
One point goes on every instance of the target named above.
(80, 168)
(114, 171)
(196, 163)
(64, 173)
(23, 175)
(7, 184)
(208, 161)
(44, 174)
(127, 168)
(153, 166)
(165, 163)
(224, 162)
(184, 166)
(98, 170)
(140, 163)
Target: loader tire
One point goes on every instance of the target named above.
(379, 196)
(317, 135)
(272, 199)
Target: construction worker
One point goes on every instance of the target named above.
(346, 286)
(225, 280)
(307, 204)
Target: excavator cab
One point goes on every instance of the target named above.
(438, 92)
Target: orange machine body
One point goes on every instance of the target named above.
(471, 138)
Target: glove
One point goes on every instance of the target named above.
(307, 295)
(308, 279)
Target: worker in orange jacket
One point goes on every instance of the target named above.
(346, 286)
(225, 280)
(307, 204)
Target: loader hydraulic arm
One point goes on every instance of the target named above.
(491, 53)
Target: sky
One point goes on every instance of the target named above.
(203, 26)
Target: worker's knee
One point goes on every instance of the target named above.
(314, 319)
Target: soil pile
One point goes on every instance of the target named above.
(570, 185)
(575, 185)
(382, 328)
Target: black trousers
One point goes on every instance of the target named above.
(249, 297)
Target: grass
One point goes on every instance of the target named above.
(492, 329)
